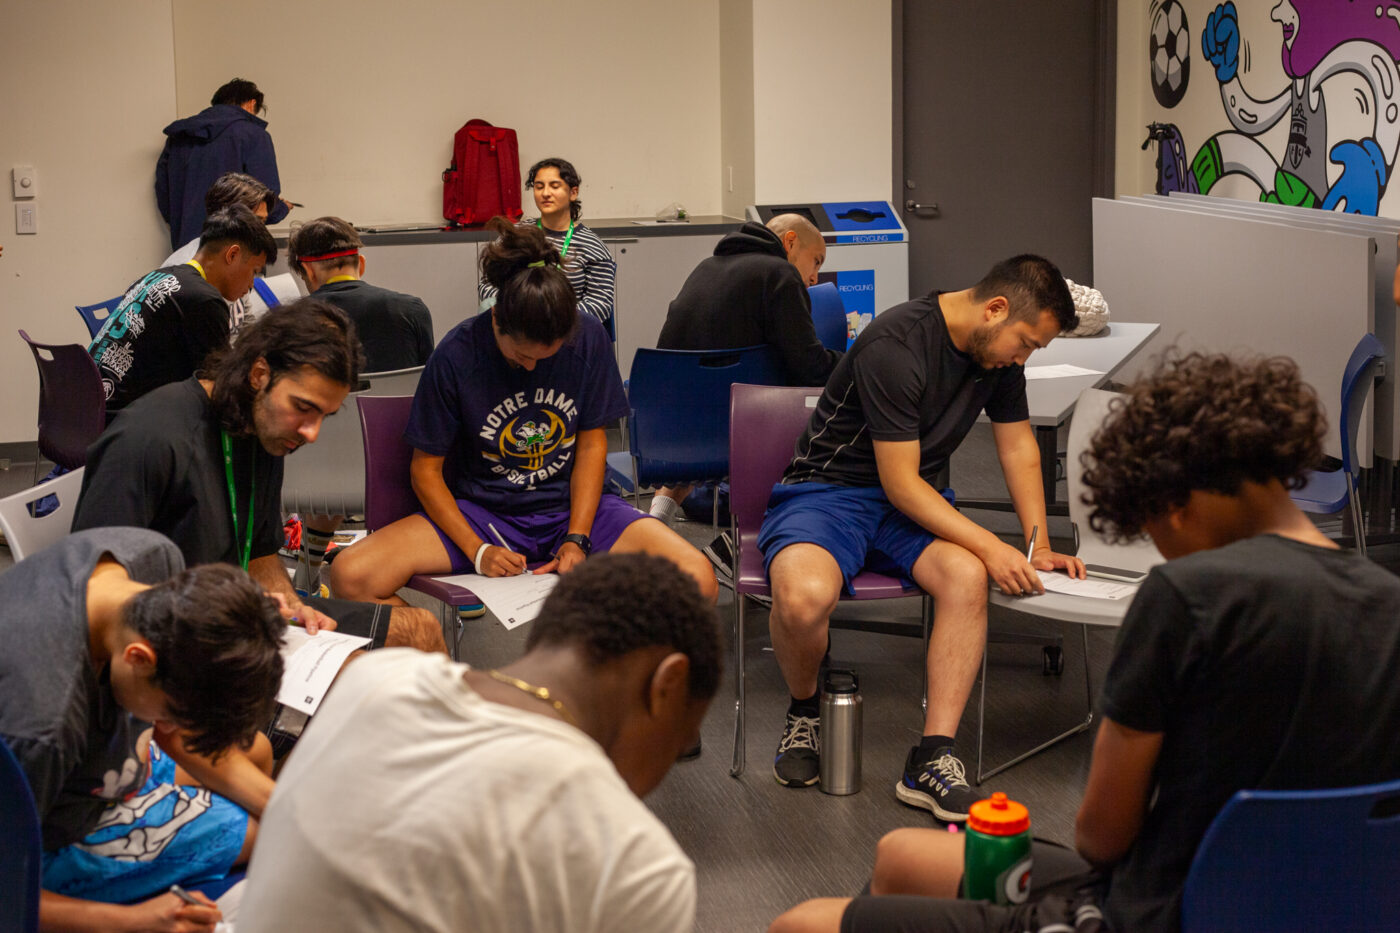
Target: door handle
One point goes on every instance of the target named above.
(912, 205)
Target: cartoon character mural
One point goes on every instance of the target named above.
(1352, 46)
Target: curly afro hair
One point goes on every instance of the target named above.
(1199, 421)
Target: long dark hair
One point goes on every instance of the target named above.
(534, 301)
(304, 333)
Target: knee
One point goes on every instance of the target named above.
(802, 602)
(415, 628)
(958, 573)
(346, 581)
(891, 852)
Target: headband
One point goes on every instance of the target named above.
(352, 251)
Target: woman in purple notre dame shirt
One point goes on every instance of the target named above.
(508, 430)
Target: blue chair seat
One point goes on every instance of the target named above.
(1324, 494)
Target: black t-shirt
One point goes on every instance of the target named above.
(902, 380)
(396, 329)
(1267, 663)
(77, 747)
(165, 326)
(160, 465)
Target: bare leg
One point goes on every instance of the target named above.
(415, 628)
(375, 568)
(822, 915)
(649, 536)
(806, 582)
(928, 862)
(957, 580)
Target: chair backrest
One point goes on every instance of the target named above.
(679, 428)
(829, 315)
(1089, 414)
(94, 316)
(20, 865)
(328, 477)
(27, 534)
(764, 425)
(1298, 860)
(72, 405)
(389, 492)
(1357, 380)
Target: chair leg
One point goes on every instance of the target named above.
(1082, 726)
(452, 629)
(1358, 521)
(928, 627)
(737, 768)
(636, 486)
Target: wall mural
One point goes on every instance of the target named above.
(1322, 132)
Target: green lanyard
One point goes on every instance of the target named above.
(247, 550)
(563, 250)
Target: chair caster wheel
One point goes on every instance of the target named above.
(1054, 661)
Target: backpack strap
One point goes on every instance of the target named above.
(265, 292)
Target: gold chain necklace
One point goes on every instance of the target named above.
(539, 693)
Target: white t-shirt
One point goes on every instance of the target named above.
(412, 803)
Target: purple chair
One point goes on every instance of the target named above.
(72, 405)
(389, 496)
(764, 424)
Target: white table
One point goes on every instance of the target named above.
(1051, 401)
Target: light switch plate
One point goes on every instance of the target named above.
(26, 181)
(26, 217)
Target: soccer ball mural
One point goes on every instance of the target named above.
(1169, 50)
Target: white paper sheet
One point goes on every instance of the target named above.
(311, 663)
(1059, 371)
(1093, 589)
(514, 600)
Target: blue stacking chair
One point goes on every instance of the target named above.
(679, 425)
(94, 316)
(829, 315)
(1327, 493)
(20, 866)
(1298, 860)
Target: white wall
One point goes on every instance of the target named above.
(822, 100)
(736, 95)
(362, 105)
(88, 87)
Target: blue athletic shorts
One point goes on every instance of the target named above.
(855, 525)
(537, 535)
(163, 834)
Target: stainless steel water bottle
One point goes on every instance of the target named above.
(840, 739)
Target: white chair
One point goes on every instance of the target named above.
(1134, 558)
(29, 535)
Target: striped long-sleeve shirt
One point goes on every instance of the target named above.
(589, 266)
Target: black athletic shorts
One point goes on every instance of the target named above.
(1065, 895)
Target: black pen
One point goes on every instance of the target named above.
(186, 896)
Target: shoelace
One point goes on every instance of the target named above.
(801, 733)
(949, 768)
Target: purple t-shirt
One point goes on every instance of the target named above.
(507, 433)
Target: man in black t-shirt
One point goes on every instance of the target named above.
(859, 494)
(1260, 656)
(172, 318)
(201, 461)
(120, 664)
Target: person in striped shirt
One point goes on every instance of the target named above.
(587, 262)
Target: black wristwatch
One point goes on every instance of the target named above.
(585, 544)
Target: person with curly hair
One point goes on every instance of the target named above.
(502, 800)
(131, 694)
(1259, 656)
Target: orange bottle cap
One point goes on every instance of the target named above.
(998, 816)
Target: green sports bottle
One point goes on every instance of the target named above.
(997, 851)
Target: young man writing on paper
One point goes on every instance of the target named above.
(1259, 656)
(859, 494)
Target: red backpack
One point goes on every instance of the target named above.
(484, 177)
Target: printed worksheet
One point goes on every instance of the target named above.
(514, 600)
(310, 664)
(1059, 371)
(1091, 588)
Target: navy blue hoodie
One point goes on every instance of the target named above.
(198, 149)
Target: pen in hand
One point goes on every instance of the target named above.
(502, 541)
(1030, 548)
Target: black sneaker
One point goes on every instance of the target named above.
(798, 762)
(935, 781)
(720, 551)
